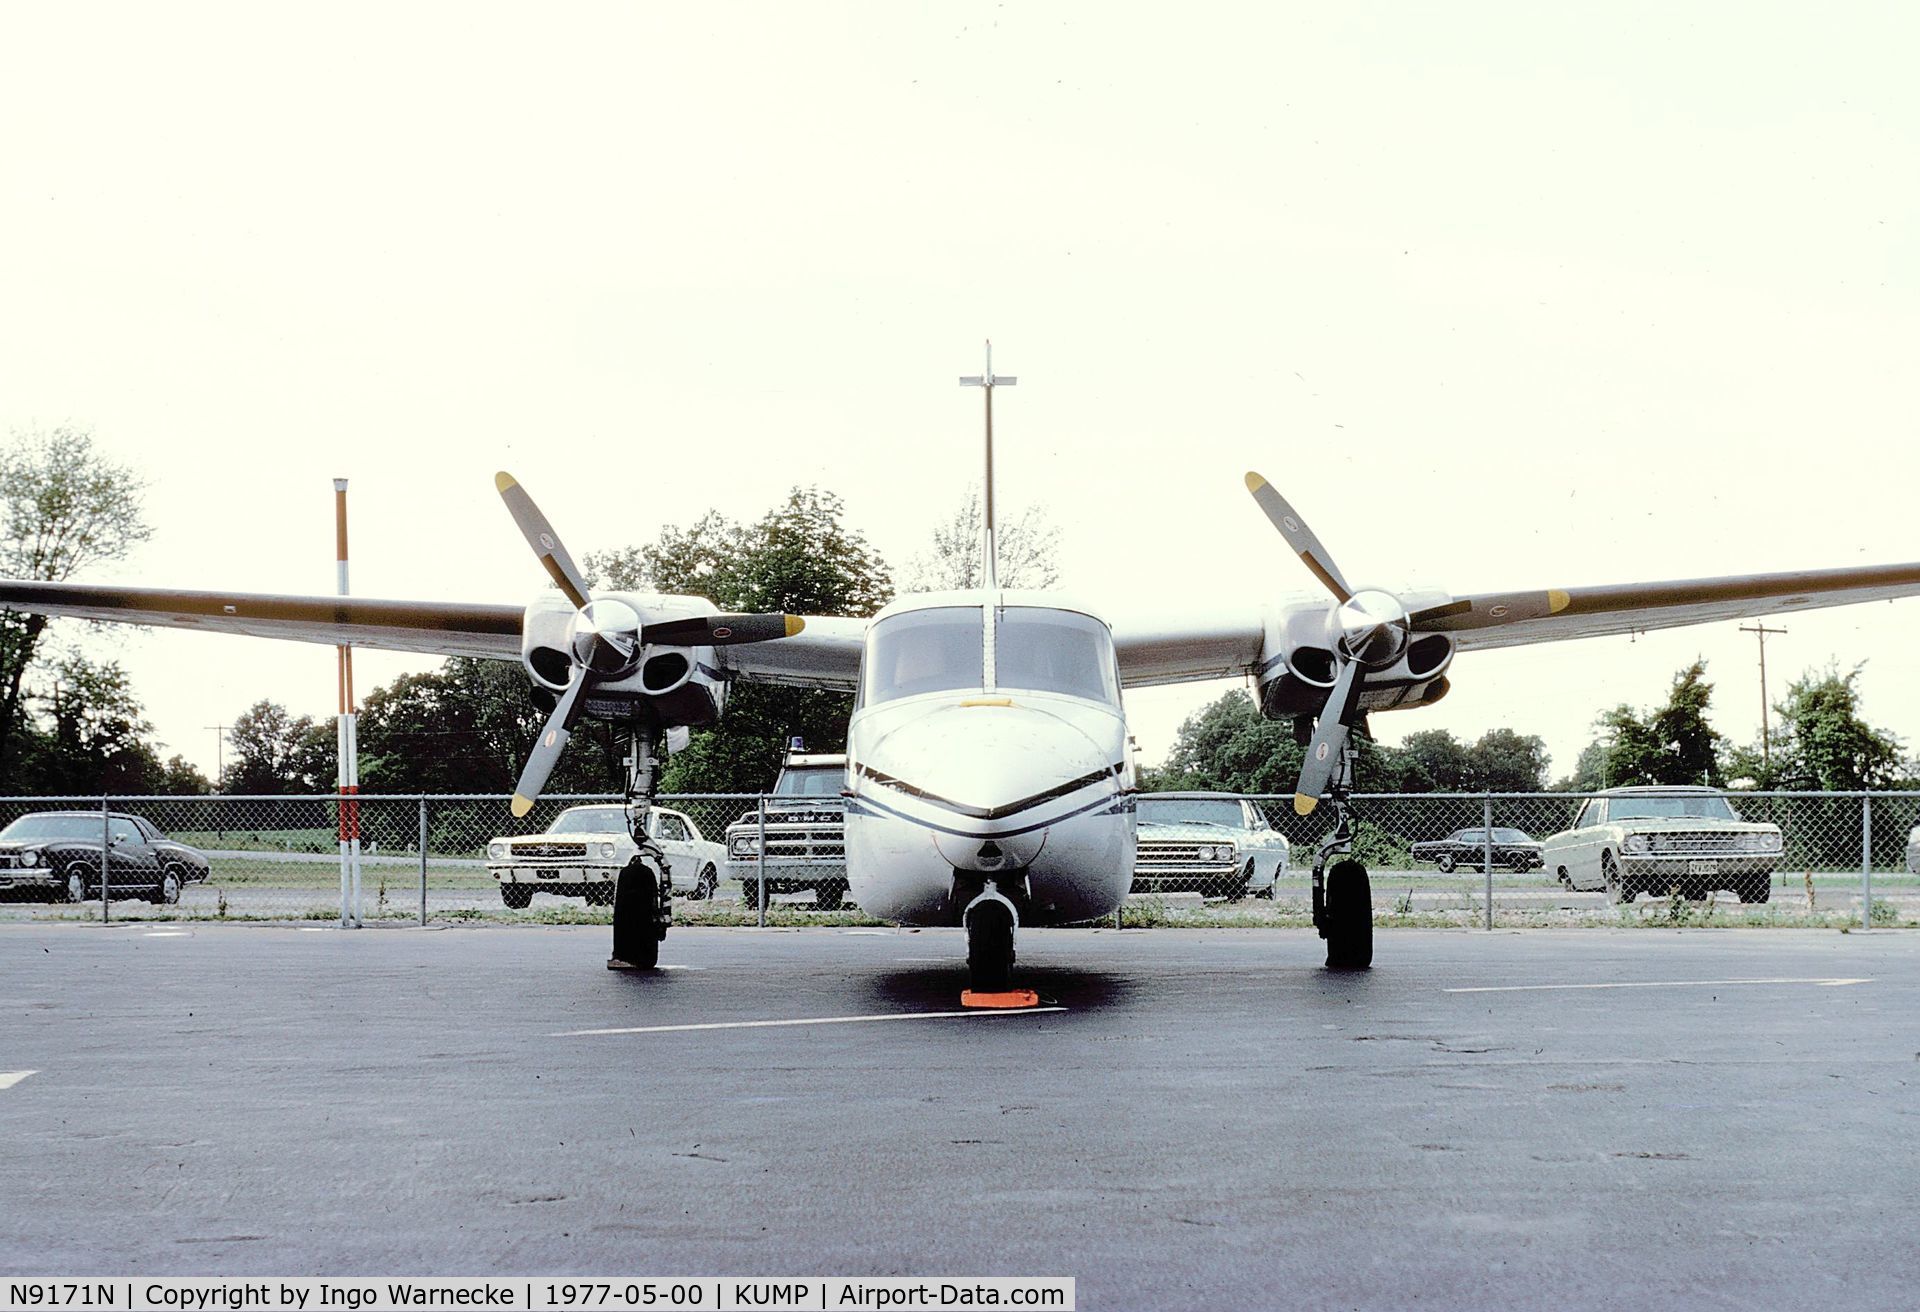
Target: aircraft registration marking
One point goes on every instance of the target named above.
(1657, 984)
(805, 1020)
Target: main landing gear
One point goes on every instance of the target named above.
(643, 892)
(1342, 893)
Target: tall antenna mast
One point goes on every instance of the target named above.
(989, 381)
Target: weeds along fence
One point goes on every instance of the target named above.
(1836, 859)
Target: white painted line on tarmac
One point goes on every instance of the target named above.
(168, 933)
(809, 1020)
(10, 1078)
(1657, 984)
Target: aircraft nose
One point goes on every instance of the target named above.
(994, 766)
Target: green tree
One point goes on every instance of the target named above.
(1822, 742)
(1026, 545)
(798, 557)
(1438, 761)
(63, 507)
(91, 736)
(1673, 744)
(1504, 761)
(274, 753)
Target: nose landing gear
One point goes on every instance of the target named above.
(991, 919)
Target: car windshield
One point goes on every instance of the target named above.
(811, 781)
(590, 820)
(75, 824)
(933, 650)
(1706, 806)
(1189, 811)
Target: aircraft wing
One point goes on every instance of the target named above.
(1190, 648)
(1638, 607)
(825, 654)
(438, 627)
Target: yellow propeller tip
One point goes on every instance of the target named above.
(1254, 481)
(794, 625)
(520, 806)
(1557, 601)
(1303, 805)
(503, 480)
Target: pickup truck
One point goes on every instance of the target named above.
(806, 825)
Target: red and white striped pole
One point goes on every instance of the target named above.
(349, 742)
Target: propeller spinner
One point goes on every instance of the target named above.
(606, 638)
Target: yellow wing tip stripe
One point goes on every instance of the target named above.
(503, 480)
(520, 805)
(794, 625)
(1303, 805)
(1557, 601)
(1254, 481)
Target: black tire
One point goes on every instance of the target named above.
(1445, 862)
(990, 948)
(517, 896)
(636, 923)
(167, 892)
(1566, 880)
(827, 896)
(1349, 917)
(704, 886)
(76, 885)
(1618, 890)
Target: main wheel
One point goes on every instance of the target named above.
(827, 896)
(703, 887)
(1617, 890)
(990, 948)
(1349, 917)
(636, 919)
(517, 896)
(1445, 862)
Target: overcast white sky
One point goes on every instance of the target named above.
(1499, 295)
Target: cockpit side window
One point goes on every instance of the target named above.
(1054, 651)
(934, 650)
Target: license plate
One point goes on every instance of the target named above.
(1702, 868)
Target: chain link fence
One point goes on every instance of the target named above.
(1436, 859)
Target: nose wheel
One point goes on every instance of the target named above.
(991, 920)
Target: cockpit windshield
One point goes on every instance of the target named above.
(1049, 650)
(933, 650)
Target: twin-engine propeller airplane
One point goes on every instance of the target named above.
(988, 779)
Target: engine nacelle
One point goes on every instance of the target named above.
(667, 687)
(1301, 667)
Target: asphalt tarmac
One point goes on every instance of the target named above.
(1541, 1118)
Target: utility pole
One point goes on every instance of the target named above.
(1761, 631)
(990, 572)
(219, 752)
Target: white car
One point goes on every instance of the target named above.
(585, 848)
(1913, 850)
(1209, 843)
(1662, 837)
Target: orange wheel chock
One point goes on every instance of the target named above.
(1012, 1000)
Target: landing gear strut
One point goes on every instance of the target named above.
(1342, 893)
(643, 893)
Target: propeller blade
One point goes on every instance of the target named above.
(541, 537)
(1488, 612)
(722, 630)
(1329, 740)
(547, 748)
(1301, 538)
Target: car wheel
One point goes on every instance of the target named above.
(1445, 862)
(1566, 880)
(167, 894)
(76, 884)
(516, 896)
(703, 888)
(1617, 890)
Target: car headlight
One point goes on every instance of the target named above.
(1638, 843)
(1225, 852)
(1762, 843)
(606, 851)
(496, 850)
(30, 858)
(741, 846)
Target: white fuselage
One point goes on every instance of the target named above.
(987, 782)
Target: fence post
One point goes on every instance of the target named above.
(1486, 855)
(760, 866)
(1866, 861)
(106, 862)
(423, 860)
